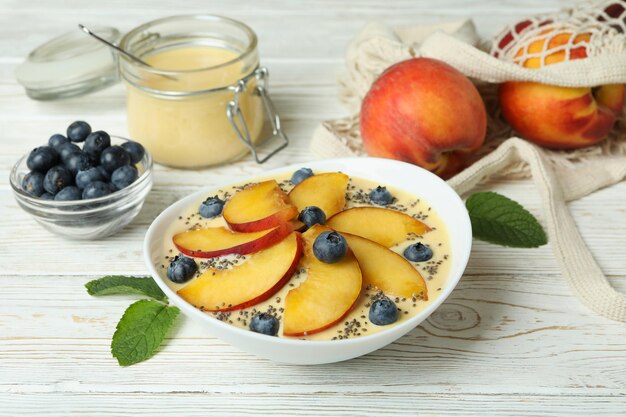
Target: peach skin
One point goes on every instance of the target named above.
(259, 207)
(425, 112)
(548, 41)
(559, 117)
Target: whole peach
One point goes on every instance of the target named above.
(425, 112)
(559, 117)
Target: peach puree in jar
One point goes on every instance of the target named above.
(192, 130)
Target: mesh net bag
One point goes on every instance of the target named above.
(592, 29)
(583, 46)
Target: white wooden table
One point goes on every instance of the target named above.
(511, 340)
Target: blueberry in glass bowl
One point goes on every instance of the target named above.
(101, 211)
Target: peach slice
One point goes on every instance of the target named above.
(328, 293)
(210, 242)
(258, 207)
(384, 226)
(326, 191)
(385, 270)
(250, 283)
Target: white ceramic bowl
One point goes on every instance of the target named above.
(400, 175)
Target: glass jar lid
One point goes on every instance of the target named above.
(69, 65)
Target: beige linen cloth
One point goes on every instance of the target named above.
(559, 176)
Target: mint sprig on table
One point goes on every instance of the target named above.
(145, 323)
(141, 330)
(121, 285)
(498, 219)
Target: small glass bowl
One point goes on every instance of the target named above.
(86, 219)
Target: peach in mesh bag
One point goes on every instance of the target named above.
(583, 46)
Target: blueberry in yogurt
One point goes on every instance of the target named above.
(418, 252)
(301, 175)
(381, 196)
(312, 215)
(383, 312)
(211, 207)
(264, 323)
(181, 269)
(330, 247)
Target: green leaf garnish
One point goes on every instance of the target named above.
(500, 220)
(141, 330)
(118, 284)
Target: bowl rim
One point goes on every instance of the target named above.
(113, 198)
(465, 236)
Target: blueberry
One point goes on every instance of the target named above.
(181, 269)
(124, 176)
(67, 149)
(47, 196)
(33, 183)
(89, 175)
(78, 131)
(42, 159)
(57, 140)
(114, 157)
(105, 174)
(312, 215)
(383, 312)
(78, 161)
(57, 178)
(301, 175)
(211, 207)
(418, 252)
(381, 196)
(135, 150)
(70, 193)
(264, 323)
(96, 142)
(330, 247)
(96, 189)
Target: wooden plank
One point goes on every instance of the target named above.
(322, 404)
(527, 327)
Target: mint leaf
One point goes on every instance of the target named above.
(141, 330)
(118, 284)
(500, 220)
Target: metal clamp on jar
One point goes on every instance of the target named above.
(202, 99)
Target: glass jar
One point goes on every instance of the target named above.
(203, 99)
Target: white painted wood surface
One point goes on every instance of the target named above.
(511, 340)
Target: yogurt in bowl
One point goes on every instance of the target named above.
(406, 247)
